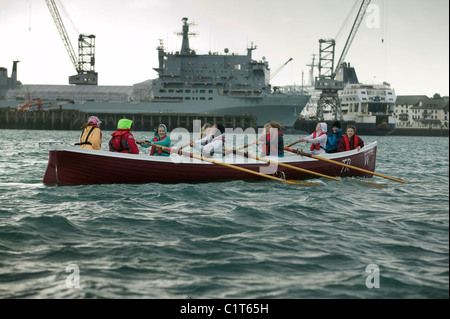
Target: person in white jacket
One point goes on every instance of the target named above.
(318, 139)
(212, 144)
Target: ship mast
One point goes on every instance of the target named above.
(185, 49)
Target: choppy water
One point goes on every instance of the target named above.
(226, 240)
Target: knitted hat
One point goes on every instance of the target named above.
(337, 124)
(124, 124)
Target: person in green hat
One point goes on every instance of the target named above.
(122, 140)
(160, 138)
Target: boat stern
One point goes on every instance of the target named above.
(51, 175)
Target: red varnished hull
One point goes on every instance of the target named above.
(73, 166)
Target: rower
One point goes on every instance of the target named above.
(212, 144)
(318, 139)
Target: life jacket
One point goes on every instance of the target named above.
(347, 142)
(271, 146)
(158, 150)
(86, 141)
(316, 146)
(121, 145)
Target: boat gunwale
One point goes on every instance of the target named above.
(235, 160)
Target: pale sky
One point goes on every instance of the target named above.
(402, 42)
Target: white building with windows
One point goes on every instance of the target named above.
(420, 111)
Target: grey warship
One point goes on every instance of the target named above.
(187, 83)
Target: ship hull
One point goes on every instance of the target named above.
(284, 109)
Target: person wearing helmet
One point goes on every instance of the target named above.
(91, 134)
(318, 139)
(122, 140)
(160, 138)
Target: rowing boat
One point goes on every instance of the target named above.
(69, 165)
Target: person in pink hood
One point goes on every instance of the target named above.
(318, 139)
(91, 135)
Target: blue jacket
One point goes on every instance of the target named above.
(333, 141)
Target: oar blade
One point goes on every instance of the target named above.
(369, 184)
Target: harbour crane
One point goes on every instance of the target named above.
(326, 81)
(85, 65)
(356, 24)
(279, 69)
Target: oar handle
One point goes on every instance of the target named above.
(292, 144)
(243, 146)
(345, 165)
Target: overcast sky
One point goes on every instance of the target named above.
(403, 42)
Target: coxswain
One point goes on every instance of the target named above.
(91, 134)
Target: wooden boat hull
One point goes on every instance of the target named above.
(74, 166)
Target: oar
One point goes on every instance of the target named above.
(180, 149)
(246, 154)
(342, 164)
(370, 184)
(168, 149)
(244, 146)
(247, 145)
(292, 144)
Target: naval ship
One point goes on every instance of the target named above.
(187, 83)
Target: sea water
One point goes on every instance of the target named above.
(232, 239)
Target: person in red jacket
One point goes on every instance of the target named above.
(122, 140)
(350, 141)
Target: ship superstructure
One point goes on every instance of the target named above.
(213, 83)
(370, 106)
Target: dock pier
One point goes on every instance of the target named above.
(61, 119)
